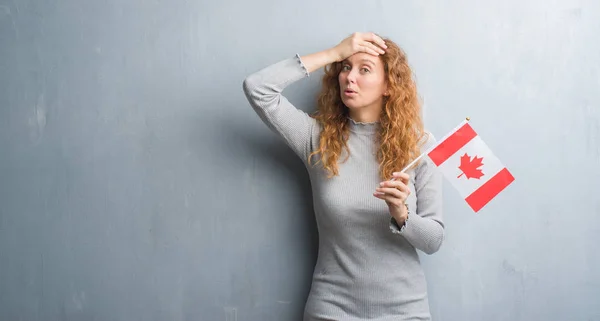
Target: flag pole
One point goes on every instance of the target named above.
(426, 152)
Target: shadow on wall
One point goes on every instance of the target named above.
(274, 277)
(274, 153)
(282, 157)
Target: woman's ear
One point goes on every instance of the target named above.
(386, 91)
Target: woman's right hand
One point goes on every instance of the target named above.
(359, 42)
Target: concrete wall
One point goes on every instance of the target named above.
(136, 183)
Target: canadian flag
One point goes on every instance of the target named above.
(469, 164)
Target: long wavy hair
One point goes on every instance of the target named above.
(401, 127)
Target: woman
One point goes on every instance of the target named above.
(366, 130)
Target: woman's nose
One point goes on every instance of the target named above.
(351, 76)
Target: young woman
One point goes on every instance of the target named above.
(367, 128)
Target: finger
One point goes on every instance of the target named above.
(376, 39)
(403, 188)
(401, 176)
(394, 192)
(368, 49)
(397, 184)
(375, 48)
(391, 198)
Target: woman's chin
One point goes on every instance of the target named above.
(350, 103)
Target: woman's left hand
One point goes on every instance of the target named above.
(395, 193)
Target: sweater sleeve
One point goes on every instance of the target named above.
(263, 90)
(424, 228)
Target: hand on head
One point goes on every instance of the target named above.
(367, 42)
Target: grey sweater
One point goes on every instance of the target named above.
(367, 268)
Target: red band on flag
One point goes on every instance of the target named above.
(452, 144)
(479, 198)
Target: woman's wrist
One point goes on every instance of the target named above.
(402, 215)
(319, 59)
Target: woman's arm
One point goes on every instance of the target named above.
(424, 227)
(263, 90)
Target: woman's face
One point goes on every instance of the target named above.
(362, 81)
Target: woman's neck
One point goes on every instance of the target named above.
(365, 115)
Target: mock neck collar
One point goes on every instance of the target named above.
(363, 127)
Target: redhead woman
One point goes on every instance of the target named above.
(372, 217)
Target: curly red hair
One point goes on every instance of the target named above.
(401, 131)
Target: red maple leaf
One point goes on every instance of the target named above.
(470, 167)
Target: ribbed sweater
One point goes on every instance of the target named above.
(367, 268)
